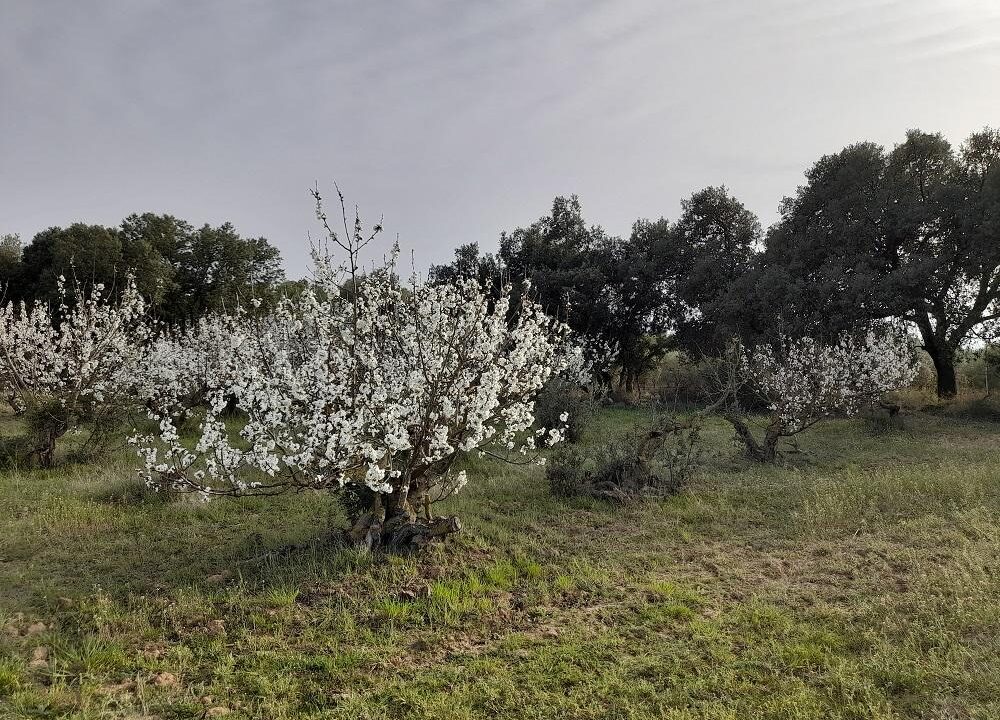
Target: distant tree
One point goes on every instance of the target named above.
(608, 290)
(154, 246)
(714, 244)
(564, 259)
(911, 233)
(217, 270)
(181, 272)
(10, 260)
(89, 254)
(469, 262)
(639, 299)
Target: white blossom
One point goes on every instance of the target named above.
(372, 384)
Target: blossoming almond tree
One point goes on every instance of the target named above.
(181, 366)
(72, 369)
(362, 382)
(804, 380)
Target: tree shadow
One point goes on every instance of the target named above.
(130, 541)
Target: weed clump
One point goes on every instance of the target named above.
(645, 462)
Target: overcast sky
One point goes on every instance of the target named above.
(458, 119)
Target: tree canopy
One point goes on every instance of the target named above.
(605, 288)
(183, 272)
(910, 232)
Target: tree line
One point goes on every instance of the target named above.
(182, 271)
(911, 233)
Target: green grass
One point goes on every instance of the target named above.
(859, 580)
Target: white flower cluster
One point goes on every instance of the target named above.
(362, 382)
(182, 366)
(80, 357)
(806, 380)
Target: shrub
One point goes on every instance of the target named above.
(72, 369)
(879, 422)
(561, 396)
(646, 462)
(972, 408)
(682, 381)
(566, 472)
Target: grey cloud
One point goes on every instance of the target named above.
(457, 119)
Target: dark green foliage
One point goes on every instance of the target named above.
(713, 245)
(910, 233)
(356, 500)
(91, 253)
(567, 472)
(470, 262)
(183, 272)
(218, 269)
(559, 396)
(606, 289)
(640, 301)
(566, 262)
(628, 294)
(683, 381)
(10, 260)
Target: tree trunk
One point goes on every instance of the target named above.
(629, 383)
(44, 448)
(392, 524)
(944, 367)
(771, 437)
(764, 452)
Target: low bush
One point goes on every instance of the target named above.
(681, 381)
(878, 422)
(567, 472)
(560, 396)
(646, 462)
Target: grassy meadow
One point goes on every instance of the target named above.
(860, 579)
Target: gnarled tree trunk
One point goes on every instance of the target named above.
(765, 451)
(393, 524)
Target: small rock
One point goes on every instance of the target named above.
(217, 711)
(165, 679)
(36, 628)
(550, 633)
(37, 664)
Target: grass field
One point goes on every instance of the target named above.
(860, 580)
